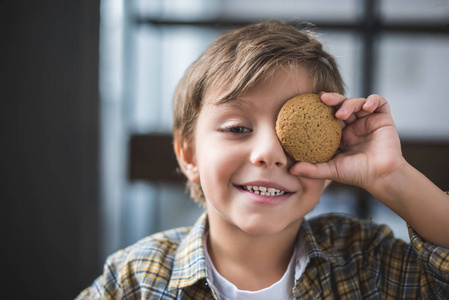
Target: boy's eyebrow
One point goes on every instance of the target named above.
(236, 103)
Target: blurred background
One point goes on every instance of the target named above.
(86, 117)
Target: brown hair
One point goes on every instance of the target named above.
(237, 61)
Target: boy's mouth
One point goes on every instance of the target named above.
(263, 190)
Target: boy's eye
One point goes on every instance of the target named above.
(236, 129)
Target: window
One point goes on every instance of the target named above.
(393, 48)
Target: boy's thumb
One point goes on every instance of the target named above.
(314, 171)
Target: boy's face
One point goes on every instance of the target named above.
(236, 146)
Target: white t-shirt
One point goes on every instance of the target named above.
(281, 290)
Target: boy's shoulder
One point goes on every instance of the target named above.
(158, 248)
(153, 267)
(150, 259)
(332, 223)
(343, 234)
(142, 270)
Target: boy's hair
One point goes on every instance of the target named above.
(237, 61)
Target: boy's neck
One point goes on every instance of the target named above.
(250, 262)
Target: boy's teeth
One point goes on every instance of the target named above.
(264, 191)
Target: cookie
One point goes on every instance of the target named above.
(308, 129)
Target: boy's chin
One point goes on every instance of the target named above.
(265, 227)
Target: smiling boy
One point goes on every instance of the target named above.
(253, 242)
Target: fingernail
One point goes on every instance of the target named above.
(341, 110)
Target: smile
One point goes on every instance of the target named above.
(262, 190)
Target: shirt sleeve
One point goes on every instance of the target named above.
(107, 286)
(433, 260)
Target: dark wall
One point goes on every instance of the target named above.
(49, 149)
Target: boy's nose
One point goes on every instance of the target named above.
(268, 151)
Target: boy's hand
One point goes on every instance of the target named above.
(370, 149)
(370, 157)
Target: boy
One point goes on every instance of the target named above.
(253, 246)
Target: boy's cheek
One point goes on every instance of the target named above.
(310, 184)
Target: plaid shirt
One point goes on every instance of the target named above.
(349, 259)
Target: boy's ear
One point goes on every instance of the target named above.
(186, 160)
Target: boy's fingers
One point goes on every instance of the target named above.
(349, 107)
(350, 110)
(376, 102)
(332, 99)
(346, 107)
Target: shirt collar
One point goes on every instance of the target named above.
(189, 265)
(319, 247)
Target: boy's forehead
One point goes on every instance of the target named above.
(284, 82)
(247, 101)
